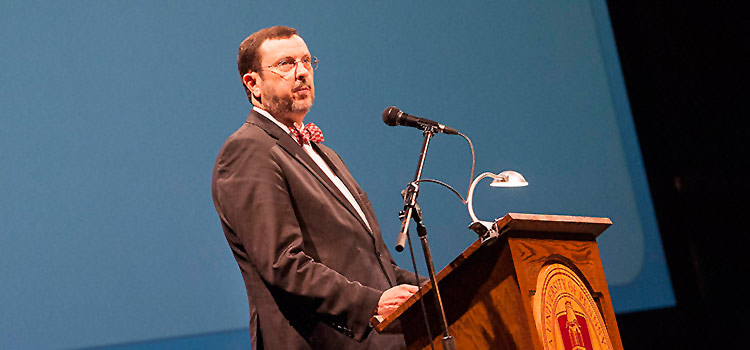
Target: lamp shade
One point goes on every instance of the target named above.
(509, 178)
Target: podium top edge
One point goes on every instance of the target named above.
(556, 223)
(559, 218)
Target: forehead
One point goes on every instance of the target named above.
(274, 49)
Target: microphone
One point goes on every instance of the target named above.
(394, 116)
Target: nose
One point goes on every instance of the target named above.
(300, 70)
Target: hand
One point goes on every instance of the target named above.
(392, 298)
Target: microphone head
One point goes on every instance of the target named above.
(390, 115)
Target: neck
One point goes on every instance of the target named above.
(288, 119)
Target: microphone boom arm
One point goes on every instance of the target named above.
(412, 191)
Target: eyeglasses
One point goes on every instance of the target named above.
(287, 64)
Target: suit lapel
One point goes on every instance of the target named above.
(348, 181)
(299, 154)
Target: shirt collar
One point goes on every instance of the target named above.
(271, 118)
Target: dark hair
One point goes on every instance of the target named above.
(248, 59)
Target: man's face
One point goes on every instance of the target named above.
(285, 93)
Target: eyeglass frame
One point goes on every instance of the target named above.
(312, 64)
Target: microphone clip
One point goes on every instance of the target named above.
(411, 202)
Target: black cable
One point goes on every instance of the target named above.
(473, 162)
(471, 175)
(419, 291)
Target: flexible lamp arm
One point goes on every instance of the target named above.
(470, 197)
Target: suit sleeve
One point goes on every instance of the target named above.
(408, 277)
(253, 198)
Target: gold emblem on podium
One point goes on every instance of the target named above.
(566, 315)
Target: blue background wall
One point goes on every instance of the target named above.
(113, 112)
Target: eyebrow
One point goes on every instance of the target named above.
(307, 55)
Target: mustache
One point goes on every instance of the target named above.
(301, 84)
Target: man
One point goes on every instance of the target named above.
(303, 233)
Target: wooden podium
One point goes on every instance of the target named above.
(539, 286)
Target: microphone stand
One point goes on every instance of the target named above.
(410, 208)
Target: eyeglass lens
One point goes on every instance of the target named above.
(287, 64)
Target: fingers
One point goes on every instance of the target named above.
(393, 297)
(410, 288)
(405, 291)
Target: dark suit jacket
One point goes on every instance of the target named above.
(313, 270)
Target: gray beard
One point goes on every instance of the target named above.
(279, 106)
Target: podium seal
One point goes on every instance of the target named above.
(566, 315)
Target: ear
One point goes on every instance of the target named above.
(252, 81)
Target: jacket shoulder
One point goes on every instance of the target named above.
(248, 138)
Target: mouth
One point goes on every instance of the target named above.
(301, 86)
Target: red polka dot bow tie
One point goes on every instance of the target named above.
(310, 133)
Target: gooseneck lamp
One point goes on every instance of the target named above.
(487, 230)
